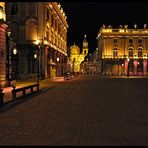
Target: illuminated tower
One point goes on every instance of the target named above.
(2, 45)
(85, 46)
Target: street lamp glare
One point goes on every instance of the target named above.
(37, 42)
(14, 51)
(128, 59)
(58, 59)
(35, 56)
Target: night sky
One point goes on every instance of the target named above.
(87, 18)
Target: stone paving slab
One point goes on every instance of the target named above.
(83, 111)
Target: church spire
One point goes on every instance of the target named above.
(85, 45)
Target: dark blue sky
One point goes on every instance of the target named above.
(87, 17)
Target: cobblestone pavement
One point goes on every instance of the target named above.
(83, 111)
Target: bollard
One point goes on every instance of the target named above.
(13, 93)
(1, 97)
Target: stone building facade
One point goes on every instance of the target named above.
(3, 27)
(123, 51)
(38, 28)
(76, 57)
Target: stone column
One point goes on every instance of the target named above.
(126, 67)
(144, 67)
(135, 67)
(3, 81)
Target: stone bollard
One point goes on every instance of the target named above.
(13, 93)
(1, 96)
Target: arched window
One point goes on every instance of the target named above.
(130, 53)
(140, 53)
(140, 48)
(115, 51)
(31, 30)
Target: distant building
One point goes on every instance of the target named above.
(91, 64)
(3, 27)
(123, 51)
(39, 26)
(76, 57)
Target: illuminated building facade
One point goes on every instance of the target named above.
(76, 57)
(39, 26)
(123, 51)
(3, 28)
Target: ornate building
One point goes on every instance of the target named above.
(123, 51)
(76, 57)
(3, 27)
(39, 30)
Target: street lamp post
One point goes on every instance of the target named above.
(37, 56)
(58, 66)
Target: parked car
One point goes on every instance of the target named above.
(68, 76)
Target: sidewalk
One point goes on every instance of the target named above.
(46, 83)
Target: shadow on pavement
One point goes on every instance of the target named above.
(10, 104)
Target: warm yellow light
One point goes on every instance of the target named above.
(14, 51)
(35, 55)
(58, 59)
(45, 42)
(128, 59)
(1, 15)
(61, 10)
(2, 11)
(37, 42)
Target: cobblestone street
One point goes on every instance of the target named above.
(82, 111)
